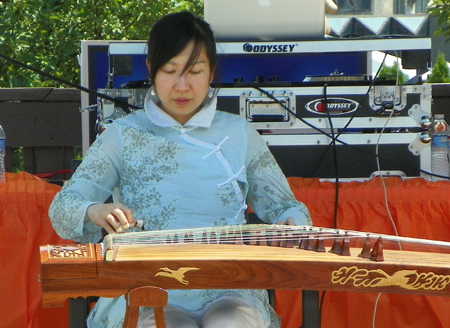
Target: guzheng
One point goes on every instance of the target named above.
(245, 257)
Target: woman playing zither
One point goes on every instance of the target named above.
(178, 164)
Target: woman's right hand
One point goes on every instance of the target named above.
(111, 216)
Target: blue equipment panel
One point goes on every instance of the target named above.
(291, 68)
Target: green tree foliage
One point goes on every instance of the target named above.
(390, 73)
(46, 34)
(441, 10)
(440, 72)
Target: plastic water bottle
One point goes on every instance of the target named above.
(2, 156)
(439, 149)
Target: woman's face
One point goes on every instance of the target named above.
(182, 93)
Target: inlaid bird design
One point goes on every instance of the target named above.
(399, 278)
(176, 274)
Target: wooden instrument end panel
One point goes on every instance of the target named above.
(68, 262)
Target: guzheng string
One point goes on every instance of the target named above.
(274, 235)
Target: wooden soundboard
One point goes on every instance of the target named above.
(70, 271)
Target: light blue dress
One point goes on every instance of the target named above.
(201, 174)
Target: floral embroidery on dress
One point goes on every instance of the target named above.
(144, 170)
(227, 194)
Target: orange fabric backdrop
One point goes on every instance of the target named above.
(24, 226)
(419, 208)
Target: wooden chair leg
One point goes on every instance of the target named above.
(147, 296)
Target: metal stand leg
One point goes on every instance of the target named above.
(310, 309)
(78, 311)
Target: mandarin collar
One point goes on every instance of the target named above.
(158, 116)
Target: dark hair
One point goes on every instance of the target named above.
(172, 33)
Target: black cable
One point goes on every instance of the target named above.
(365, 96)
(336, 166)
(321, 307)
(346, 126)
(256, 87)
(73, 85)
(357, 108)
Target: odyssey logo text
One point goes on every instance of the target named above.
(248, 47)
(334, 106)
